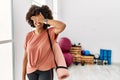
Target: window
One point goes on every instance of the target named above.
(38, 2)
(55, 8)
(6, 53)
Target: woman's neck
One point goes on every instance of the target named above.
(38, 31)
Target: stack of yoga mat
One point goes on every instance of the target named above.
(84, 57)
(76, 53)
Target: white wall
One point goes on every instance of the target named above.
(20, 7)
(93, 23)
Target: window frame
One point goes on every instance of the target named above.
(6, 41)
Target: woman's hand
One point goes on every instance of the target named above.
(38, 18)
(62, 73)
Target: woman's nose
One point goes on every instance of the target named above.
(37, 20)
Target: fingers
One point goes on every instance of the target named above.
(38, 18)
(63, 77)
(42, 15)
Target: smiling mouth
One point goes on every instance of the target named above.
(38, 24)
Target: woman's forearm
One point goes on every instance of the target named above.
(59, 26)
(24, 67)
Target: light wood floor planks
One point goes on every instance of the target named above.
(94, 72)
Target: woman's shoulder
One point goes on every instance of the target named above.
(51, 28)
(29, 33)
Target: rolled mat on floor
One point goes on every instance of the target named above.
(65, 44)
(68, 58)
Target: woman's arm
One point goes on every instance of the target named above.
(59, 26)
(24, 66)
(62, 73)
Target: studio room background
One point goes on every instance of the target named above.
(93, 23)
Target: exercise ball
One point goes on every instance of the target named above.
(68, 58)
(65, 44)
(85, 52)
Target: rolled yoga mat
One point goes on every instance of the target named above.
(65, 44)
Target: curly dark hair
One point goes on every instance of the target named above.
(35, 10)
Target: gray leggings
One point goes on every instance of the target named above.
(41, 75)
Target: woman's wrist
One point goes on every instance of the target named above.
(61, 67)
(46, 21)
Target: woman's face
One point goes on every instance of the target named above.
(38, 20)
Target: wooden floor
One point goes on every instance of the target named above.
(94, 72)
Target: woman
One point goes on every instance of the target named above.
(38, 61)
